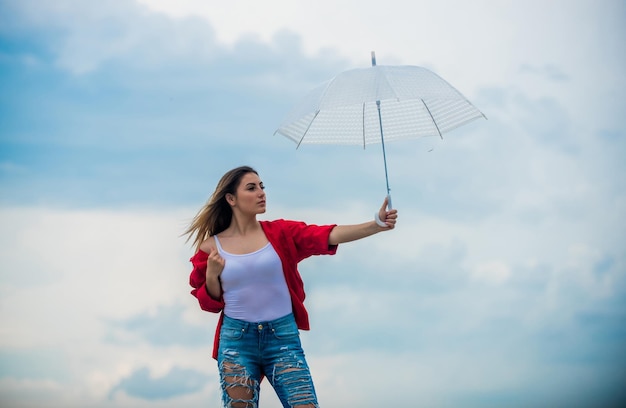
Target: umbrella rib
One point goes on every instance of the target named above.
(307, 129)
(433, 119)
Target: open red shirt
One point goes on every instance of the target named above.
(293, 241)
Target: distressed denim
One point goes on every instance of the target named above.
(249, 351)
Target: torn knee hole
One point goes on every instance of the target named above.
(239, 387)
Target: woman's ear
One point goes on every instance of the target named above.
(230, 199)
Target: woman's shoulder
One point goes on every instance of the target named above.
(208, 245)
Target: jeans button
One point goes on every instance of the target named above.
(260, 327)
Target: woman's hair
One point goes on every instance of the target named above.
(215, 216)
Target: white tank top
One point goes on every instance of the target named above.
(254, 285)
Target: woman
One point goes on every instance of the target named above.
(247, 270)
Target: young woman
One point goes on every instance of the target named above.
(246, 270)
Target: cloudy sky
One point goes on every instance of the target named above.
(504, 283)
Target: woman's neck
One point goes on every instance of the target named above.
(242, 226)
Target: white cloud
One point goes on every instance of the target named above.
(471, 44)
(496, 272)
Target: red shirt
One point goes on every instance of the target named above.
(293, 241)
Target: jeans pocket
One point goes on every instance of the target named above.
(231, 333)
(285, 330)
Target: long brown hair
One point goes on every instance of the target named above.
(215, 216)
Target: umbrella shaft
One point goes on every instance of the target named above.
(382, 140)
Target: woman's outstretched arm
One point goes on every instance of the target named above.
(347, 233)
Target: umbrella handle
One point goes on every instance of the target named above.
(377, 218)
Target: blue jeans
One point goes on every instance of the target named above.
(250, 351)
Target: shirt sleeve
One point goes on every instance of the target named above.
(311, 239)
(197, 280)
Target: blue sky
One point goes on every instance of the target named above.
(504, 283)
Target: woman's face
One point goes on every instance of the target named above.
(250, 197)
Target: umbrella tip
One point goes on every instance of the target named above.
(373, 58)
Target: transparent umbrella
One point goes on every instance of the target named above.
(375, 105)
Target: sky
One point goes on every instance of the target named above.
(504, 283)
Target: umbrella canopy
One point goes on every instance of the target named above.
(377, 104)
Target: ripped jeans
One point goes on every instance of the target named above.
(249, 351)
